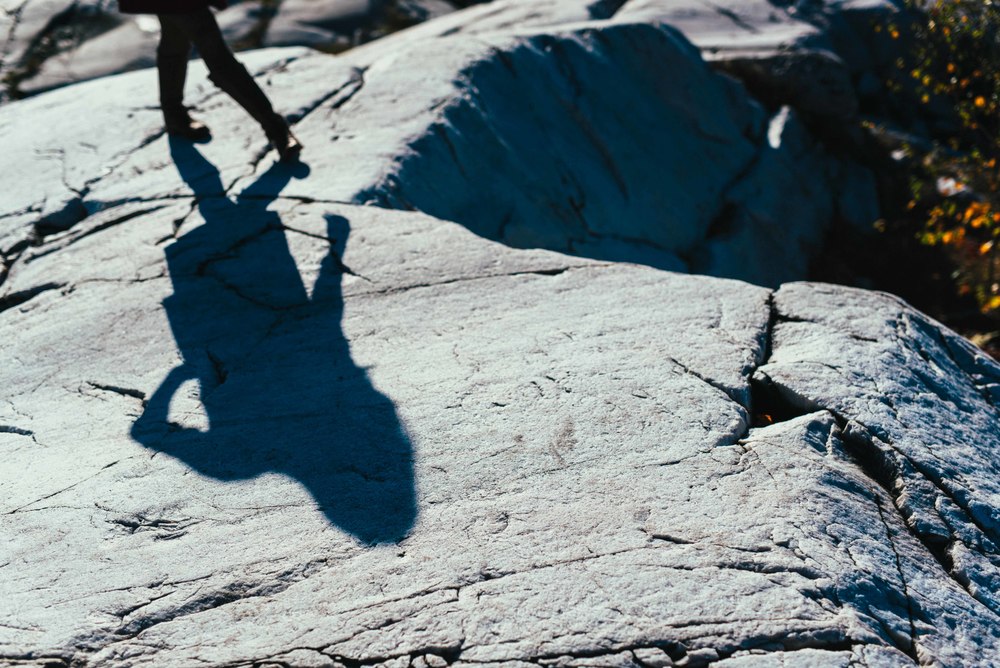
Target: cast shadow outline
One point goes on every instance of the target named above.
(273, 368)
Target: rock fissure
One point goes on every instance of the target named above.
(75, 238)
(11, 429)
(15, 299)
(730, 392)
(977, 375)
(441, 131)
(64, 489)
(766, 649)
(696, 655)
(732, 16)
(41, 659)
(203, 268)
(123, 391)
(877, 466)
(767, 404)
(120, 158)
(762, 569)
(943, 486)
(140, 522)
(599, 143)
(118, 281)
(338, 97)
(12, 255)
(125, 612)
(776, 403)
(553, 272)
(336, 257)
(299, 199)
(721, 219)
(910, 649)
(31, 208)
(251, 299)
(612, 236)
(449, 654)
(14, 14)
(230, 593)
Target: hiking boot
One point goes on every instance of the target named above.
(232, 77)
(180, 124)
(282, 139)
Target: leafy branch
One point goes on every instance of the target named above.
(953, 63)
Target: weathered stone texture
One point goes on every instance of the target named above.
(258, 415)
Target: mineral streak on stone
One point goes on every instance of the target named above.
(250, 421)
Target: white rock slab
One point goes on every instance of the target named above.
(90, 153)
(725, 25)
(921, 407)
(498, 16)
(26, 24)
(333, 435)
(129, 46)
(529, 147)
(247, 424)
(513, 135)
(318, 23)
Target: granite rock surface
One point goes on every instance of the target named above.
(259, 414)
(512, 134)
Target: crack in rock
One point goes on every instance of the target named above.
(482, 277)
(64, 489)
(880, 460)
(900, 475)
(91, 231)
(911, 648)
(337, 97)
(229, 593)
(15, 299)
(732, 16)
(123, 391)
(11, 429)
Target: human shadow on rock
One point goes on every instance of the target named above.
(271, 364)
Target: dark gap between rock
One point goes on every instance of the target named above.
(17, 298)
(769, 406)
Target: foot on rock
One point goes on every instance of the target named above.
(286, 143)
(180, 124)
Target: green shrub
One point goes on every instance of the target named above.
(954, 63)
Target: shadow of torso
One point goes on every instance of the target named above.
(273, 368)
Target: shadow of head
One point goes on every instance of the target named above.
(267, 381)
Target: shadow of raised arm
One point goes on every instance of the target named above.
(275, 375)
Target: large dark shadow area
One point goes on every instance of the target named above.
(272, 366)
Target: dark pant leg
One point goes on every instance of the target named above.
(224, 70)
(171, 65)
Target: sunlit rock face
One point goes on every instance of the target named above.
(259, 414)
(518, 137)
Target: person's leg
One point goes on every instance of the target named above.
(171, 64)
(233, 78)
